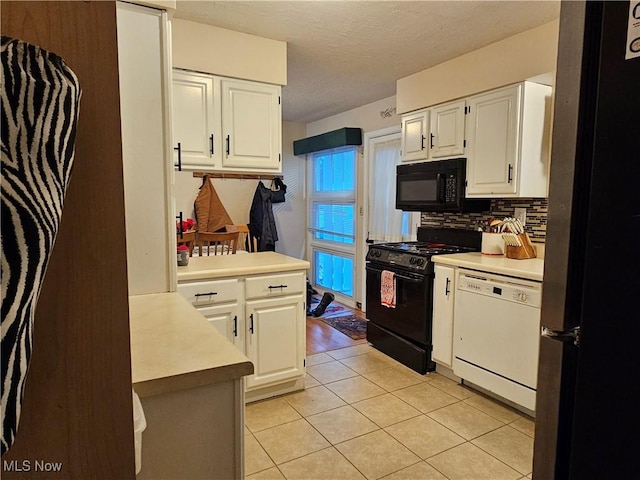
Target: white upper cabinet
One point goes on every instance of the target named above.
(251, 119)
(196, 119)
(446, 138)
(224, 124)
(434, 133)
(415, 128)
(508, 142)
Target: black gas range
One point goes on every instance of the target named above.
(403, 330)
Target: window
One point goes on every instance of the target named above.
(332, 219)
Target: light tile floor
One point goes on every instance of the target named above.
(365, 416)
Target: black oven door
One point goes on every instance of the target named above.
(411, 318)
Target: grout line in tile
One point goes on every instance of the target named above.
(491, 455)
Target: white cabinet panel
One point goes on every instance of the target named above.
(228, 321)
(196, 119)
(209, 292)
(508, 142)
(447, 129)
(275, 285)
(146, 154)
(415, 128)
(225, 124)
(493, 140)
(275, 340)
(251, 121)
(264, 317)
(443, 302)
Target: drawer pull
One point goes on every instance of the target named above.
(235, 326)
(277, 286)
(208, 294)
(251, 323)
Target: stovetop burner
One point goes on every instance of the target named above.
(415, 256)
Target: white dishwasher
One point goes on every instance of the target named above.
(497, 334)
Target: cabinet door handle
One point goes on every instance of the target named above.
(277, 286)
(235, 326)
(227, 145)
(251, 323)
(211, 143)
(446, 288)
(179, 150)
(179, 218)
(431, 140)
(422, 142)
(207, 294)
(509, 173)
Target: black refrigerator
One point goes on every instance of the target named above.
(587, 419)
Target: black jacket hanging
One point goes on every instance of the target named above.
(262, 224)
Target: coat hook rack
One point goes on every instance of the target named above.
(241, 176)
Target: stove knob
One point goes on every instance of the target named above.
(420, 262)
(378, 253)
(412, 260)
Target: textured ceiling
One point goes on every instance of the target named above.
(343, 54)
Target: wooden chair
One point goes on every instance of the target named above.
(250, 243)
(188, 239)
(225, 243)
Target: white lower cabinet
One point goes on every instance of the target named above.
(225, 318)
(275, 339)
(264, 317)
(442, 325)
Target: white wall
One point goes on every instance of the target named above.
(236, 195)
(291, 216)
(372, 116)
(208, 49)
(517, 58)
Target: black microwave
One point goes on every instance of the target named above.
(436, 186)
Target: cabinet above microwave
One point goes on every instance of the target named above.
(503, 133)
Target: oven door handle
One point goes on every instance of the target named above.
(402, 277)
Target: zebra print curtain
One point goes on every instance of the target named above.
(40, 97)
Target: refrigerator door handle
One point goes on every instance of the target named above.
(573, 333)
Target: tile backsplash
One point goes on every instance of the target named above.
(536, 225)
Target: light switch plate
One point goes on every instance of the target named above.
(521, 214)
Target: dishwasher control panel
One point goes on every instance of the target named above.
(506, 288)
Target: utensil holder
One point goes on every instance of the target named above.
(492, 244)
(527, 250)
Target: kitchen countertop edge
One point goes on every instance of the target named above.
(529, 269)
(173, 347)
(220, 266)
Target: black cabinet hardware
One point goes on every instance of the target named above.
(227, 145)
(277, 286)
(179, 150)
(235, 326)
(211, 143)
(422, 142)
(251, 323)
(509, 173)
(431, 140)
(179, 218)
(446, 288)
(208, 294)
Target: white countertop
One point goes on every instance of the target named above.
(173, 347)
(218, 266)
(530, 269)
